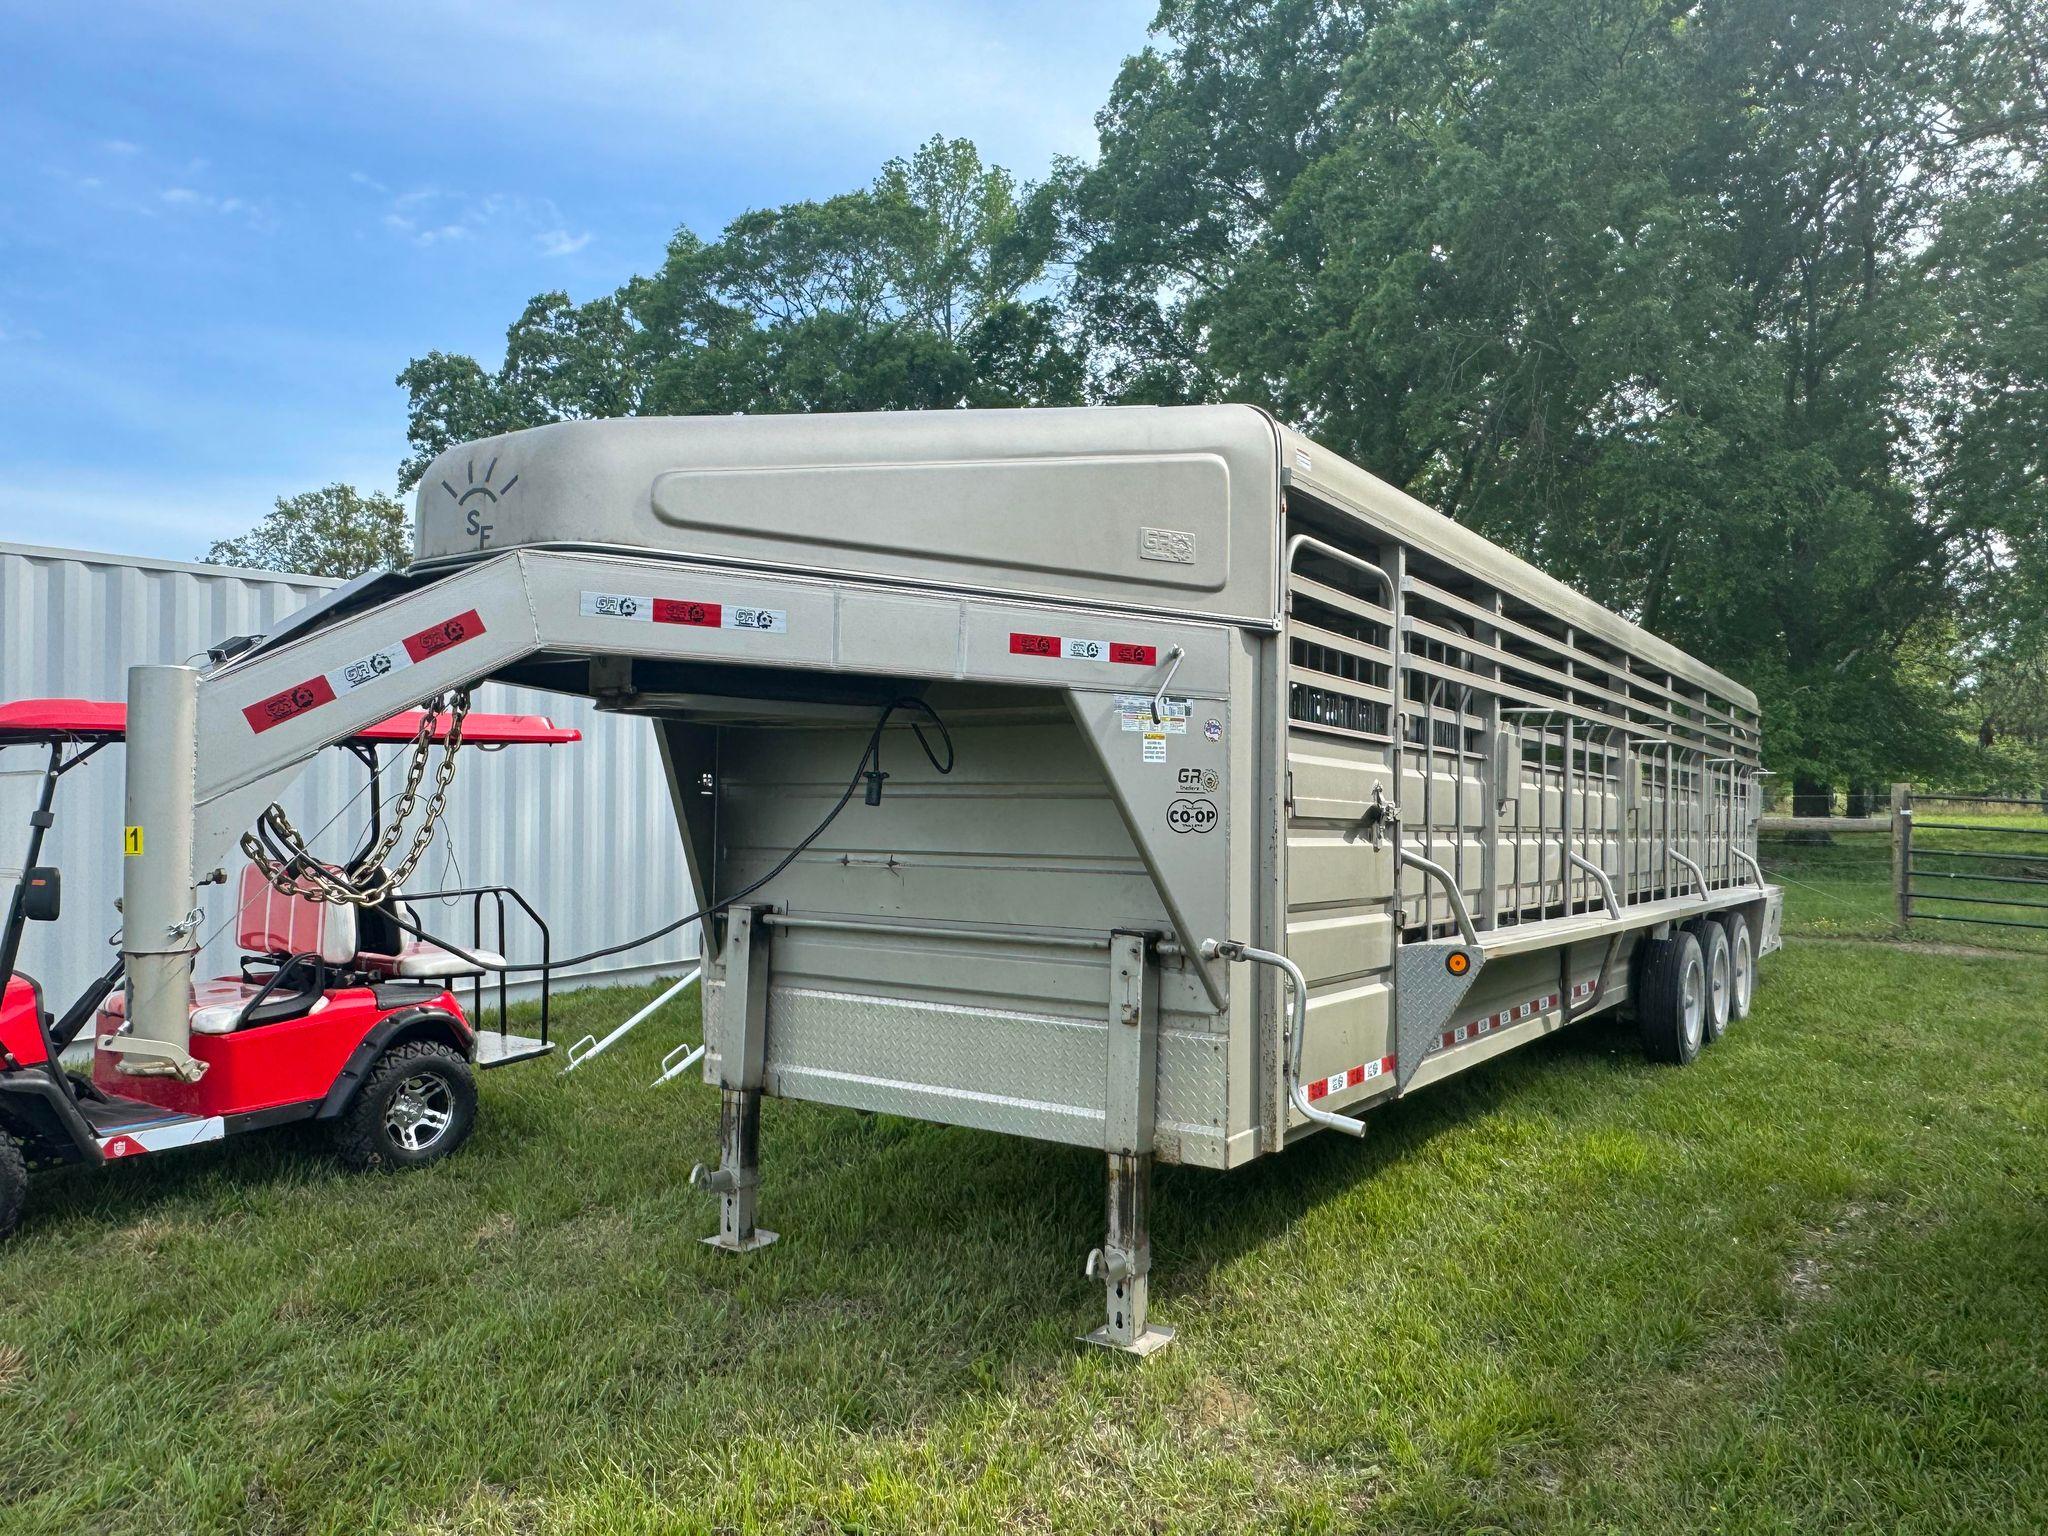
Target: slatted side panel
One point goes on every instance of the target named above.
(1524, 747)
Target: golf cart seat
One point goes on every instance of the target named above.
(217, 1006)
(389, 950)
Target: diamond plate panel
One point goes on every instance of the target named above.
(1426, 992)
(1021, 1074)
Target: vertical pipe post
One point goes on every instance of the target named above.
(1902, 851)
(159, 903)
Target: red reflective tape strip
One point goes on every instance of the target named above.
(1350, 1077)
(1055, 647)
(288, 705)
(668, 610)
(444, 636)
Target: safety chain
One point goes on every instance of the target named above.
(299, 873)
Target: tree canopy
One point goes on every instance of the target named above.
(1734, 316)
(337, 531)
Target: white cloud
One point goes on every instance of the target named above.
(559, 242)
(120, 147)
(1022, 77)
(430, 216)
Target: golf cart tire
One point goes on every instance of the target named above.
(363, 1135)
(13, 1185)
(1660, 998)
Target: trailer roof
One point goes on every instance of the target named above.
(1168, 509)
(30, 720)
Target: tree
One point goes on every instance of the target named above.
(1664, 297)
(337, 531)
(923, 291)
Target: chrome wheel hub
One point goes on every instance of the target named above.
(420, 1112)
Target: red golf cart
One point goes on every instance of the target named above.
(333, 1015)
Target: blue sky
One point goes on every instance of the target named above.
(225, 227)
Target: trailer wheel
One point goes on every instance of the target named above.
(13, 1184)
(1741, 965)
(1719, 957)
(1671, 1003)
(416, 1106)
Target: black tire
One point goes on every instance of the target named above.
(1719, 958)
(13, 1185)
(1742, 965)
(389, 1123)
(1671, 998)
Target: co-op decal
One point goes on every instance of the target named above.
(1192, 813)
(324, 689)
(669, 610)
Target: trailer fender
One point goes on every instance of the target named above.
(411, 1024)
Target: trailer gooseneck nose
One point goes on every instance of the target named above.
(1199, 677)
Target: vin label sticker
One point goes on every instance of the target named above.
(1135, 711)
(669, 610)
(329, 686)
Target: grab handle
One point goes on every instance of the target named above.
(1228, 949)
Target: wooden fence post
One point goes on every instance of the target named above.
(1902, 851)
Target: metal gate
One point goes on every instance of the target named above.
(1999, 873)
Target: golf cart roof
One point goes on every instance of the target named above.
(42, 720)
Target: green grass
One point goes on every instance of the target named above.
(1842, 888)
(1796, 1287)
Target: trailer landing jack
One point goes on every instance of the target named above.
(742, 1057)
(1124, 1262)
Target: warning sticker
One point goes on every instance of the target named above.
(1074, 648)
(669, 610)
(1155, 747)
(315, 691)
(1135, 710)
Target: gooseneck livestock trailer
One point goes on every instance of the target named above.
(1144, 779)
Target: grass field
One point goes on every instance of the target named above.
(1796, 1287)
(1842, 888)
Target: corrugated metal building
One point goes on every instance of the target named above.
(560, 823)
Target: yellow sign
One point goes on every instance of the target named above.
(131, 842)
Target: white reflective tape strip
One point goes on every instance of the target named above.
(617, 605)
(367, 669)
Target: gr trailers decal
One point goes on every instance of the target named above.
(161, 1138)
(1493, 1023)
(1074, 648)
(669, 610)
(329, 686)
(1351, 1077)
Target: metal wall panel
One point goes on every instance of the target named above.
(585, 831)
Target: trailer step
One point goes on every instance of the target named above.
(499, 1050)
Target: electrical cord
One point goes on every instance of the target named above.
(863, 774)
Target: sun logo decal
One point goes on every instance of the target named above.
(477, 498)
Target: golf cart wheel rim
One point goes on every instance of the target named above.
(420, 1112)
(1692, 991)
